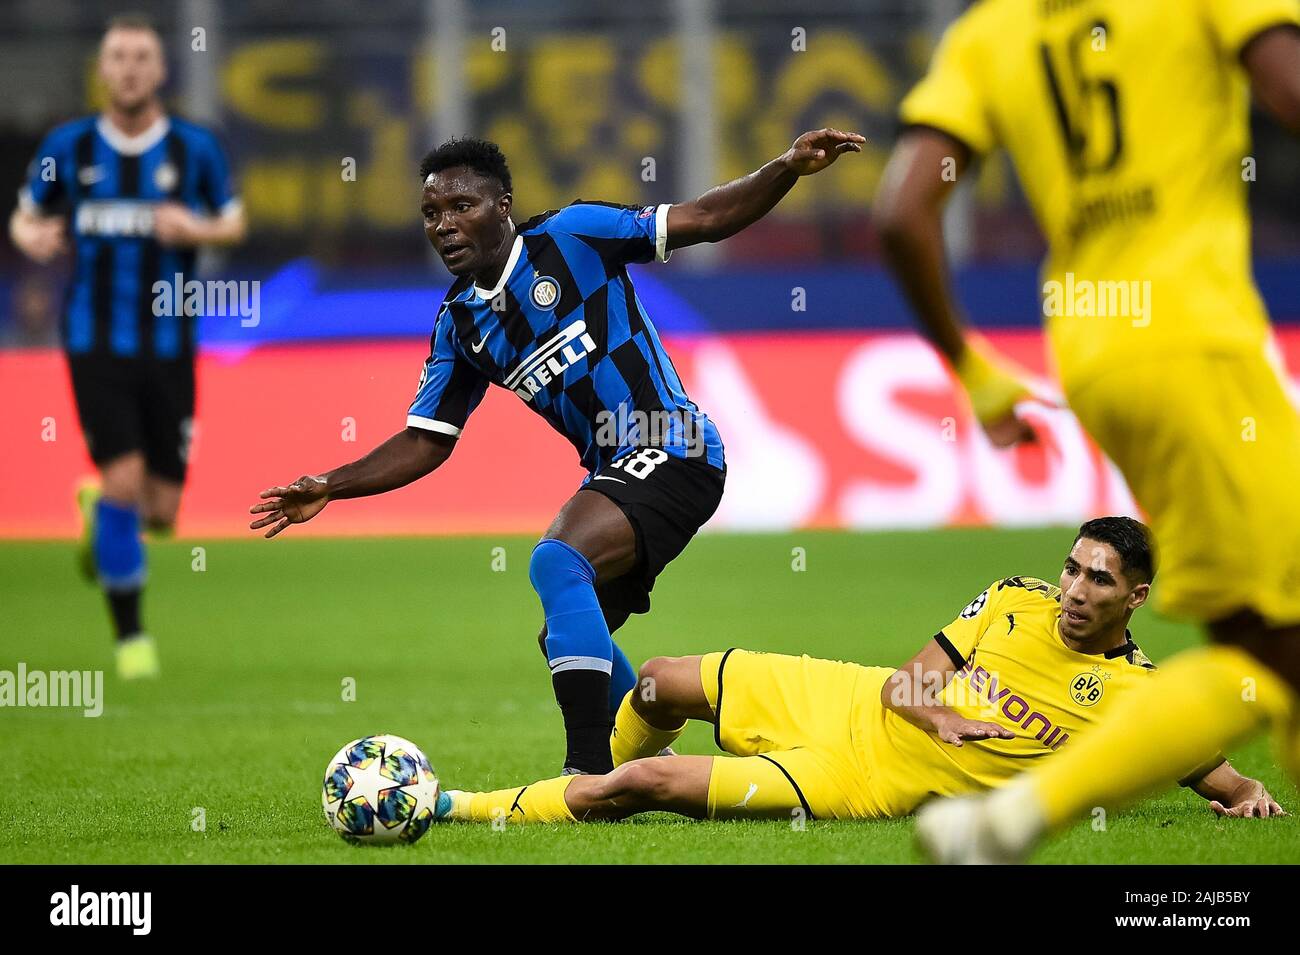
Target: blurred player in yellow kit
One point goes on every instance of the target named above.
(1024, 669)
(1128, 126)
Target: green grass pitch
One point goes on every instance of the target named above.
(255, 649)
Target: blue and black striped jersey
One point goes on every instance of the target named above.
(565, 331)
(108, 184)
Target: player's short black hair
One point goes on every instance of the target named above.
(484, 157)
(1132, 541)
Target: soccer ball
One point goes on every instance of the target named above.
(380, 789)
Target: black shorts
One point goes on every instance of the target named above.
(136, 404)
(666, 501)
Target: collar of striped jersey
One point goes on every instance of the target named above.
(505, 273)
(133, 145)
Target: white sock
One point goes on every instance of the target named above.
(1016, 816)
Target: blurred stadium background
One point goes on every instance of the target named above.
(833, 411)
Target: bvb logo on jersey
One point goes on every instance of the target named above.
(545, 292)
(1086, 689)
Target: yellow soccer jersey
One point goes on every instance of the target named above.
(1015, 671)
(1127, 123)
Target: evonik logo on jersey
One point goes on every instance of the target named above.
(550, 360)
(1015, 708)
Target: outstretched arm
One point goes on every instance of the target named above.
(1232, 794)
(908, 214)
(913, 693)
(405, 457)
(725, 210)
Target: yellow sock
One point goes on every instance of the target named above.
(633, 737)
(1204, 701)
(522, 805)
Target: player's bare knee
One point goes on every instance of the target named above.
(162, 501)
(642, 781)
(122, 479)
(653, 693)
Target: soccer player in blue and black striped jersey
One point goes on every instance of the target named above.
(138, 191)
(547, 309)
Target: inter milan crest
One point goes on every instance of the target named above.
(165, 177)
(545, 292)
(89, 175)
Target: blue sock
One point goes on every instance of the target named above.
(577, 637)
(621, 680)
(579, 651)
(119, 552)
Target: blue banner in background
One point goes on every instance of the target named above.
(302, 302)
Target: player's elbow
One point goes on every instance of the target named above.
(887, 689)
(896, 217)
(432, 449)
(892, 691)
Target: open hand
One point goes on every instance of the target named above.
(1250, 800)
(300, 501)
(956, 731)
(814, 151)
(176, 225)
(41, 238)
(1009, 431)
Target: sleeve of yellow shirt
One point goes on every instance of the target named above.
(1236, 22)
(949, 97)
(963, 635)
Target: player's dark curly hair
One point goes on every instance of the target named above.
(482, 156)
(1132, 541)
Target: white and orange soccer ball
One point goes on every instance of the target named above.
(380, 789)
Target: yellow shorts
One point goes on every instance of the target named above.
(1210, 446)
(789, 724)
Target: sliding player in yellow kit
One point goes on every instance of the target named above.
(1023, 670)
(1127, 124)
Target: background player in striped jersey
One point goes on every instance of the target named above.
(1128, 127)
(547, 309)
(1024, 669)
(138, 191)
